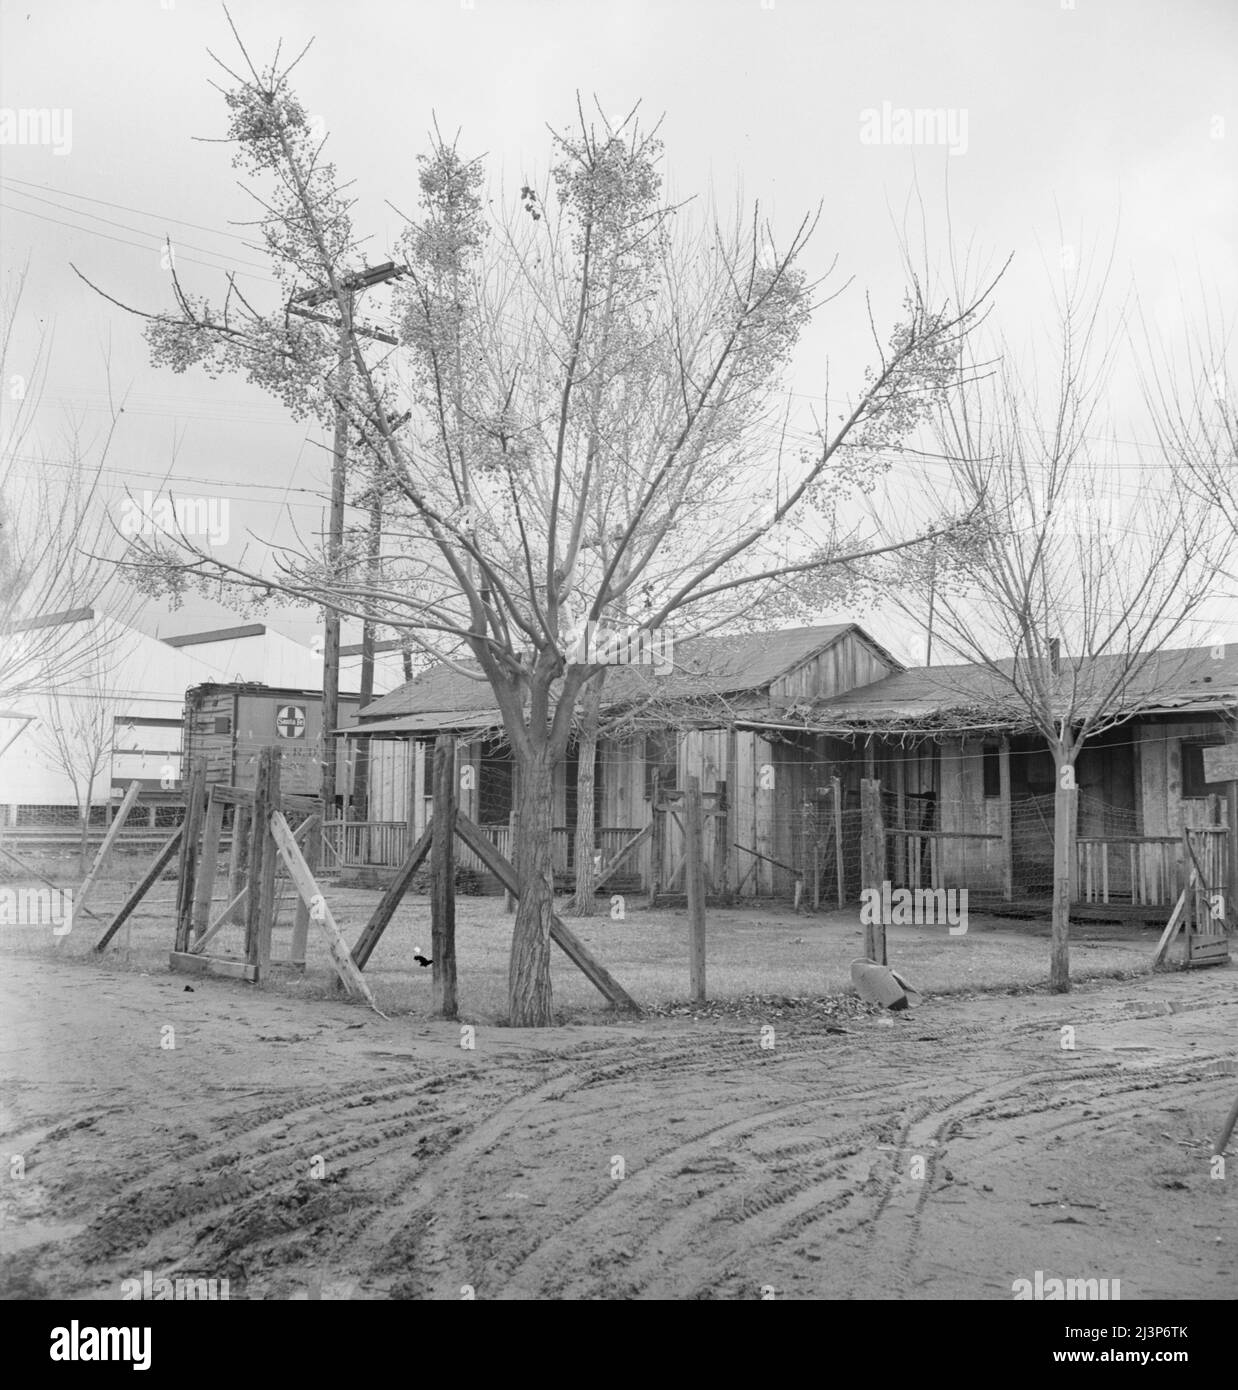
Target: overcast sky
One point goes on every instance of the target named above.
(1109, 121)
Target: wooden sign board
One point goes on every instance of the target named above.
(1221, 763)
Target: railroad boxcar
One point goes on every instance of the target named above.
(231, 723)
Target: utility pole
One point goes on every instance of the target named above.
(335, 542)
(361, 772)
(351, 285)
(928, 653)
(369, 628)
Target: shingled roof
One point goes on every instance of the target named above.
(734, 665)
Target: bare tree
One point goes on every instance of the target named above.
(76, 735)
(1192, 399)
(1069, 592)
(596, 432)
(56, 537)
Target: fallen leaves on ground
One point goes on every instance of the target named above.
(809, 1009)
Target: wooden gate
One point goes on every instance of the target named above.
(1203, 910)
(668, 855)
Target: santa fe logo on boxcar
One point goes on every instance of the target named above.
(290, 721)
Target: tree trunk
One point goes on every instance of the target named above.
(584, 903)
(83, 848)
(1064, 800)
(528, 980)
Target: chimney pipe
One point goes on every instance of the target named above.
(1055, 655)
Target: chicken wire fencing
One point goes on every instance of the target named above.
(813, 852)
(54, 839)
(29, 859)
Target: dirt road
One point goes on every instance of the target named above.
(311, 1149)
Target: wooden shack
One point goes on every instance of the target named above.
(782, 727)
(702, 718)
(956, 734)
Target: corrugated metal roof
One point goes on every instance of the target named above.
(703, 666)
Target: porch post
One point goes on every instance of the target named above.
(417, 804)
(410, 792)
(656, 846)
(836, 796)
(1007, 821)
(900, 842)
(1231, 852)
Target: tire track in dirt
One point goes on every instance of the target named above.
(746, 1167)
(256, 1163)
(547, 1268)
(443, 1187)
(567, 1234)
(570, 1235)
(928, 1127)
(326, 1123)
(439, 1187)
(894, 1244)
(244, 1167)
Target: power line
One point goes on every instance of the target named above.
(520, 328)
(191, 399)
(125, 227)
(107, 236)
(121, 207)
(147, 412)
(163, 477)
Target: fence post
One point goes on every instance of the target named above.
(260, 902)
(694, 837)
(443, 878)
(195, 791)
(872, 857)
(807, 855)
(264, 887)
(722, 842)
